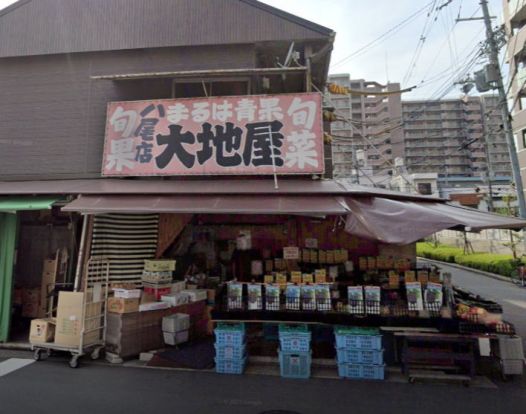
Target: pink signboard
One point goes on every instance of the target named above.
(263, 134)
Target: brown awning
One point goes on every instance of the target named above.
(404, 222)
(204, 204)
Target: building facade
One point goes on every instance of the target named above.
(62, 62)
(515, 24)
(371, 131)
(455, 137)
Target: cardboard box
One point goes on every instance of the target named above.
(176, 299)
(143, 307)
(178, 286)
(161, 265)
(127, 293)
(157, 290)
(176, 322)
(123, 305)
(50, 266)
(196, 295)
(31, 303)
(42, 331)
(69, 318)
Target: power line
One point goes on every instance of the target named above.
(420, 43)
(383, 36)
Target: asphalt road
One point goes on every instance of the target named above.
(52, 387)
(510, 296)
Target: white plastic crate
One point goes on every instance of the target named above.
(512, 366)
(176, 322)
(510, 347)
(175, 338)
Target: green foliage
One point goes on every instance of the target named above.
(502, 264)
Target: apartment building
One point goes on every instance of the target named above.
(455, 137)
(515, 24)
(374, 130)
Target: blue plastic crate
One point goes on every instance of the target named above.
(361, 371)
(295, 343)
(230, 366)
(294, 338)
(295, 364)
(373, 342)
(230, 351)
(230, 334)
(360, 356)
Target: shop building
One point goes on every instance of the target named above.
(191, 164)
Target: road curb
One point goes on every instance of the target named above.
(470, 269)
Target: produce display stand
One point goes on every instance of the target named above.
(96, 278)
(437, 356)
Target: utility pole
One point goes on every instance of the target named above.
(489, 166)
(503, 102)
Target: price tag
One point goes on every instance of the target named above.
(291, 253)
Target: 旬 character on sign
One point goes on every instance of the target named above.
(124, 121)
(303, 113)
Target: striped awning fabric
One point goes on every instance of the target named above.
(126, 240)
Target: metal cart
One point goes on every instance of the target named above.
(94, 319)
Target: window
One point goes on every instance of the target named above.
(197, 89)
(523, 134)
(424, 188)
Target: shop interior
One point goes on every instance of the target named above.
(45, 259)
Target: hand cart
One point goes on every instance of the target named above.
(93, 322)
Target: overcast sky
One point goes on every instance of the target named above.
(447, 45)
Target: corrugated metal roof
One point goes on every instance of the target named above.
(197, 186)
(42, 27)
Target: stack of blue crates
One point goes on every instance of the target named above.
(231, 355)
(360, 354)
(294, 353)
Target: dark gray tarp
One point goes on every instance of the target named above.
(403, 222)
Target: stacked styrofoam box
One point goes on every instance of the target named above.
(511, 355)
(359, 352)
(175, 328)
(294, 352)
(230, 346)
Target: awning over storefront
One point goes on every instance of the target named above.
(206, 204)
(11, 204)
(404, 222)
